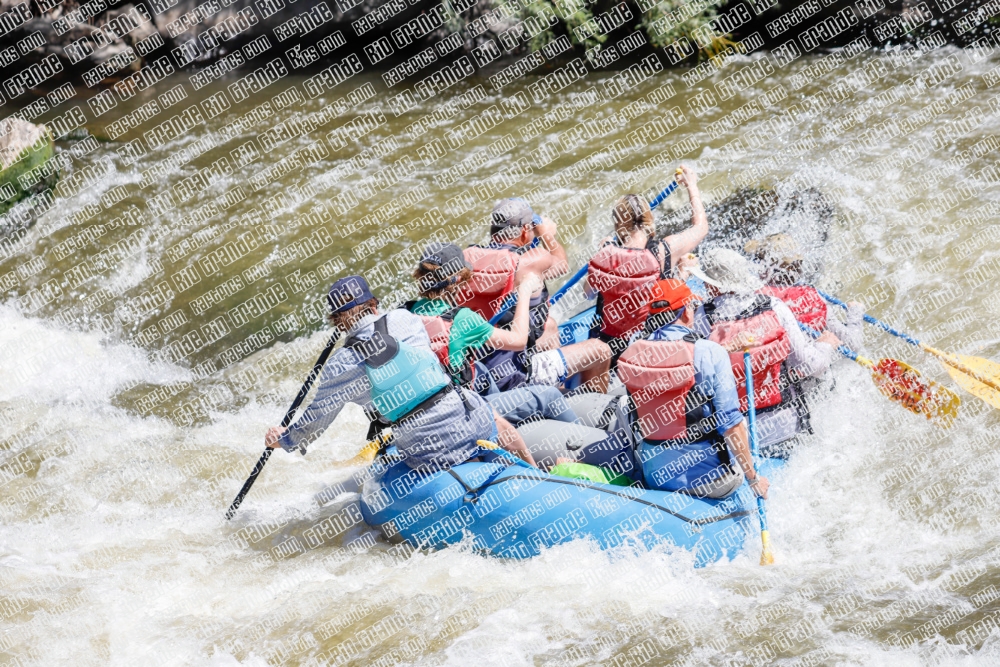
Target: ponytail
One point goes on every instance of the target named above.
(630, 213)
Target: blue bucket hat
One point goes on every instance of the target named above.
(349, 292)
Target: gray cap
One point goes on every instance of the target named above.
(729, 271)
(450, 260)
(514, 212)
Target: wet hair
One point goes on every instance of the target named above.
(430, 287)
(631, 213)
(785, 274)
(352, 315)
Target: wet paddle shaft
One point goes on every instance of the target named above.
(576, 277)
(284, 422)
(960, 363)
(766, 557)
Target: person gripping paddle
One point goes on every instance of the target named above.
(434, 424)
(623, 271)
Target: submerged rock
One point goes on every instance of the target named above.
(25, 148)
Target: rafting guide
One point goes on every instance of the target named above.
(434, 424)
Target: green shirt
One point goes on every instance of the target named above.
(469, 330)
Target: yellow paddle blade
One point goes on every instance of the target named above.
(905, 385)
(366, 455)
(983, 367)
(981, 376)
(766, 555)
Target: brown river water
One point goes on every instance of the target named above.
(145, 356)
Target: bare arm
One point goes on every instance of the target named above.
(738, 441)
(539, 262)
(808, 357)
(686, 241)
(517, 337)
(546, 232)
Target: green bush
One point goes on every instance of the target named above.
(569, 14)
(664, 23)
(679, 21)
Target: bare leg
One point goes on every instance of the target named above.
(592, 360)
(549, 340)
(511, 440)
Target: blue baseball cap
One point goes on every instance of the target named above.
(349, 292)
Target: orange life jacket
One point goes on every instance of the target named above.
(805, 303)
(758, 329)
(623, 277)
(658, 376)
(493, 272)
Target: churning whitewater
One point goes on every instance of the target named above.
(120, 461)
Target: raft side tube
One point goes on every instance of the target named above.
(512, 510)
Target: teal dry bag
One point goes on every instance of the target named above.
(402, 377)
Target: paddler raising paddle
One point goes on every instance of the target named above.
(523, 243)
(625, 268)
(387, 366)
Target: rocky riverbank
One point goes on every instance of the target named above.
(94, 43)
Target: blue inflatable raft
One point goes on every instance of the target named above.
(509, 509)
(512, 510)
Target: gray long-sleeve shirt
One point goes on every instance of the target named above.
(809, 357)
(445, 434)
(850, 332)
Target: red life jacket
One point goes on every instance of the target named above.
(804, 301)
(758, 329)
(493, 271)
(658, 376)
(623, 276)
